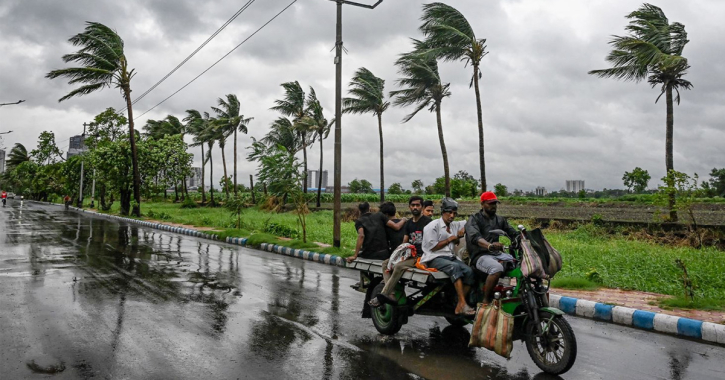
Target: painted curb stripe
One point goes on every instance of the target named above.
(603, 312)
(689, 327)
(643, 319)
(568, 305)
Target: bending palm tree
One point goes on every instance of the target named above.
(367, 96)
(17, 156)
(210, 135)
(317, 122)
(450, 37)
(103, 65)
(230, 120)
(422, 86)
(293, 105)
(195, 125)
(652, 50)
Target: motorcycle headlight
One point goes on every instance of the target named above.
(497, 295)
(509, 293)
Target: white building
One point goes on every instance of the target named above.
(313, 179)
(540, 191)
(574, 186)
(193, 181)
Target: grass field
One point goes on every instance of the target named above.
(613, 261)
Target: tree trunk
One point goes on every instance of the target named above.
(446, 171)
(125, 201)
(134, 156)
(235, 161)
(319, 177)
(203, 193)
(668, 150)
(382, 175)
(211, 178)
(251, 188)
(304, 160)
(176, 192)
(224, 164)
(480, 128)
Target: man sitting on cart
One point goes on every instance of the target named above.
(439, 239)
(486, 252)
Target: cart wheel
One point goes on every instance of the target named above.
(386, 318)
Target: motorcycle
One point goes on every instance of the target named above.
(549, 339)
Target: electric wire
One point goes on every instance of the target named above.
(219, 60)
(234, 16)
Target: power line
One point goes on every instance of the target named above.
(234, 16)
(220, 59)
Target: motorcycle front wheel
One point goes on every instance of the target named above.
(555, 351)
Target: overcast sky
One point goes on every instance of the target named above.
(545, 119)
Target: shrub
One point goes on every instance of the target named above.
(189, 203)
(281, 230)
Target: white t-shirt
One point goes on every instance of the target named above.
(436, 232)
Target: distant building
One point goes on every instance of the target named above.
(193, 181)
(540, 191)
(2, 161)
(574, 186)
(313, 179)
(76, 146)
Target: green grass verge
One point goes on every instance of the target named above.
(680, 302)
(574, 283)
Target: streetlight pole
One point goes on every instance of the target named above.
(337, 196)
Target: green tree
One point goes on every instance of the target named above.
(450, 37)
(501, 190)
(231, 120)
(396, 188)
(422, 87)
(103, 64)
(17, 155)
(316, 122)
(367, 96)
(360, 186)
(652, 51)
(108, 124)
(47, 151)
(717, 181)
(636, 180)
(196, 126)
(293, 105)
(418, 186)
(282, 133)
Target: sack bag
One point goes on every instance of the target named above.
(493, 329)
(555, 261)
(531, 265)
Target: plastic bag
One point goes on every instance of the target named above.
(493, 329)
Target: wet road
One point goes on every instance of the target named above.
(86, 297)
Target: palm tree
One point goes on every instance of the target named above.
(210, 135)
(293, 105)
(17, 155)
(282, 134)
(230, 120)
(450, 37)
(652, 50)
(367, 96)
(196, 126)
(317, 123)
(103, 64)
(422, 86)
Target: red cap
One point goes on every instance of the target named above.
(489, 197)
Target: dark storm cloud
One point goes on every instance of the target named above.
(545, 119)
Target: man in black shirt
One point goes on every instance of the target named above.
(413, 235)
(372, 243)
(395, 237)
(486, 252)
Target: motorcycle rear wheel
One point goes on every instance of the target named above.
(386, 318)
(555, 351)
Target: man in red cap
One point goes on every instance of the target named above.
(486, 252)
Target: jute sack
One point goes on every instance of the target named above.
(493, 329)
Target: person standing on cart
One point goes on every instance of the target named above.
(486, 252)
(372, 242)
(413, 234)
(439, 239)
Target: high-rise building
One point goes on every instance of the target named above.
(76, 146)
(194, 180)
(2, 161)
(574, 186)
(312, 179)
(324, 179)
(540, 191)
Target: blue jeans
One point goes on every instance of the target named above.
(454, 268)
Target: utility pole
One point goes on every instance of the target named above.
(337, 196)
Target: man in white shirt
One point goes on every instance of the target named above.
(439, 239)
